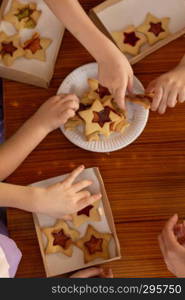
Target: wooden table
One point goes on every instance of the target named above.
(145, 182)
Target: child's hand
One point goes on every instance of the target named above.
(116, 74)
(93, 273)
(56, 111)
(168, 89)
(64, 198)
(172, 250)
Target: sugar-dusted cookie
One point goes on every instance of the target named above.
(154, 28)
(10, 48)
(60, 238)
(94, 244)
(98, 119)
(23, 15)
(88, 213)
(144, 100)
(129, 40)
(35, 48)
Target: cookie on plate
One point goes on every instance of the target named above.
(94, 244)
(98, 119)
(72, 123)
(154, 28)
(35, 48)
(23, 15)
(129, 40)
(89, 213)
(97, 91)
(143, 100)
(10, 48)
(60, 238)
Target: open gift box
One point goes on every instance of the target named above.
(32, 70)
(116, 15)
(59, 263)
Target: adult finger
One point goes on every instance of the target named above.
(172, 98)
(164, 101)
(119, 96)
(84, 202)
(162, 245)
(168, 233)
(158, 94)
(81, 185)
(74, 174)
(181, 96)
(88, 273)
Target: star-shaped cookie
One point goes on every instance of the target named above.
(88, 213)
(143, 100)
(60, 238)
(94, 244)
(154, 28)
(129, 40)
(35, 48)
(23, 15)
(98, 119)
(10, 48)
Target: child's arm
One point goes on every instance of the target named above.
(173, 252)
(52, 114)
(57, 200)
(168, 88)
(115, 72)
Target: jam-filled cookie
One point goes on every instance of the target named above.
(98, 119)
(60, 238)
(35, 48)
(89, 213)
(143, 100)
(129, 40)
(10, 48)
(23, 15)
(94, 244)
(154, 28)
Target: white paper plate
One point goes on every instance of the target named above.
(76, 82)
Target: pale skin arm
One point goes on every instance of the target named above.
(115, 72)
(58, 200)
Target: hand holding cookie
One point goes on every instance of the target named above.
(168, 89)
(56, 111)
(64, 198)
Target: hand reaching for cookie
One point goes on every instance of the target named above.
(173, 251)
(64, 198)
(95, 272)
(56, 111)
(168, 89)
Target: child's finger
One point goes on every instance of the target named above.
(89, 200)
(172, 98)
(67, 114)
(162, 245)
(82, 195)
(68, 97)
(71, 104)
(81, 185)
(74, 174)
(158, 94)
(130, 84)
(181, 96)
(168, 232)
(106, 273)
(119, 96)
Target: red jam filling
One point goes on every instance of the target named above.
(94, 245)
(33, 45)
(102, 91)
(102, 116)
(61, 239)
(156, 28)
(130, 38)
(8, 48)
(85, 211)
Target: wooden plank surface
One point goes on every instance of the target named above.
(144, 182)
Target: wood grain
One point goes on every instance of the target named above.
(144, 182)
